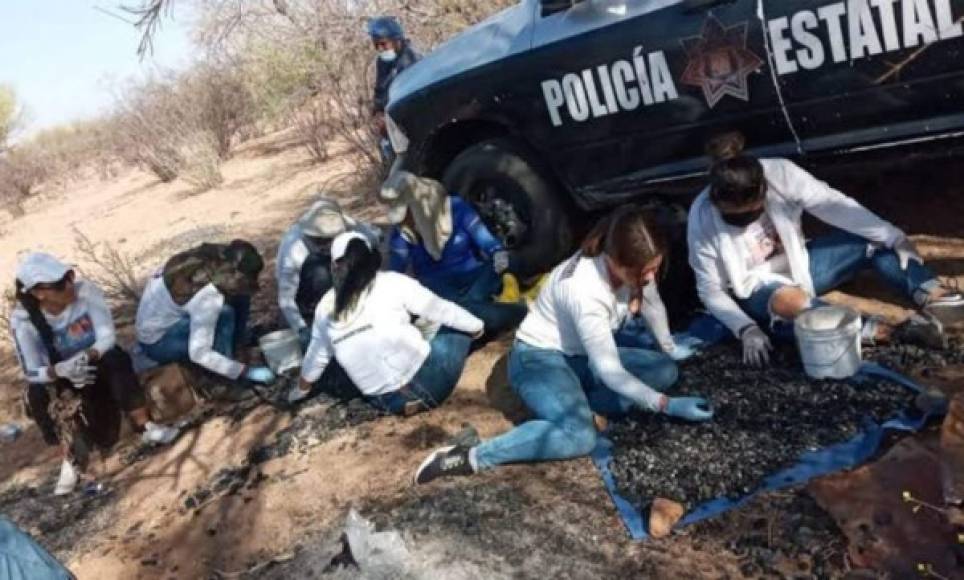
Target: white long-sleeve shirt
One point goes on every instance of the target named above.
(158, 312)
(378, 346)
(86, 323)
(577, 313)
(292, 254)
(721, 263)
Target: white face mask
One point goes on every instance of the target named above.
(387, 55)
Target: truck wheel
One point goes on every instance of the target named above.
(518, 203)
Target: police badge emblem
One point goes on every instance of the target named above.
(720, 62)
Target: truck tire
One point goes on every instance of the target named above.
(518, 202)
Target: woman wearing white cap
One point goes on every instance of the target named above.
(448, 248)
(64, 335)
(303, 267)
(365, 323)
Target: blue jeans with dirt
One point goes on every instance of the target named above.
(229, 334)
(562, 393)
(835, 259)
(473, 290)
(435, 380)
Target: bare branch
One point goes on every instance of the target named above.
(148, 16)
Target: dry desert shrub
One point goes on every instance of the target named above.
(22, 171)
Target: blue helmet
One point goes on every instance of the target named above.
(385, 27)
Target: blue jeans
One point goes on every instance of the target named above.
(835, 259)
(436, 379)
(562, 392)
(229, 334)
(473, 290)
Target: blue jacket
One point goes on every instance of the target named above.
(469, 247)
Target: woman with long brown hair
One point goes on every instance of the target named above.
(565, 364)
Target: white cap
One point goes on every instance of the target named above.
(40, 268)
(324, 222)
(340, 244)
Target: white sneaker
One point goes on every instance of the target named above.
(68, 479)
(155, 434)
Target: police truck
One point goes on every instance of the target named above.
(552, 108)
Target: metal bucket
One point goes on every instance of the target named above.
(281, 350)
(828, 338)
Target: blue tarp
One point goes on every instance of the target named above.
(21, 558)
(812, 464)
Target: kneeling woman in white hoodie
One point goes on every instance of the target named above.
(755, 270)
(365, 323)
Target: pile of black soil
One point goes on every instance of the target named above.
(780, 534)
(765, 419)
(317, 422)
(227, 481)
(61, 524)
(913, 360)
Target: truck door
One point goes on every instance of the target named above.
(868, 72)
(631, 90)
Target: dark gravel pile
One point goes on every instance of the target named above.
(764, 420)
(910, 359)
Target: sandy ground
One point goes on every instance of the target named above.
(291, 508)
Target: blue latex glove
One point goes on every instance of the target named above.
(689, 408)
(682, 352)
(304, 337)
(688, 340)
(262, 375)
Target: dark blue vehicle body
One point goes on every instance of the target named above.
(616, 99)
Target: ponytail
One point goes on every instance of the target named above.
(353, 274)
(39, 321)
(628, 235)
(736, 179)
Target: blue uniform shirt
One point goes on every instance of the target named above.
(469, 246)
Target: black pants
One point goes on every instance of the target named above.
(314, 282)
(116, 390)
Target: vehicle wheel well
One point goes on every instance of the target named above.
(449, 141)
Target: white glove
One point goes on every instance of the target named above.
(906, 251)
(500, 261)
(77, 370)
(756, 346)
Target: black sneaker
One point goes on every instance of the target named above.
(444, 462)
(921, 330)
